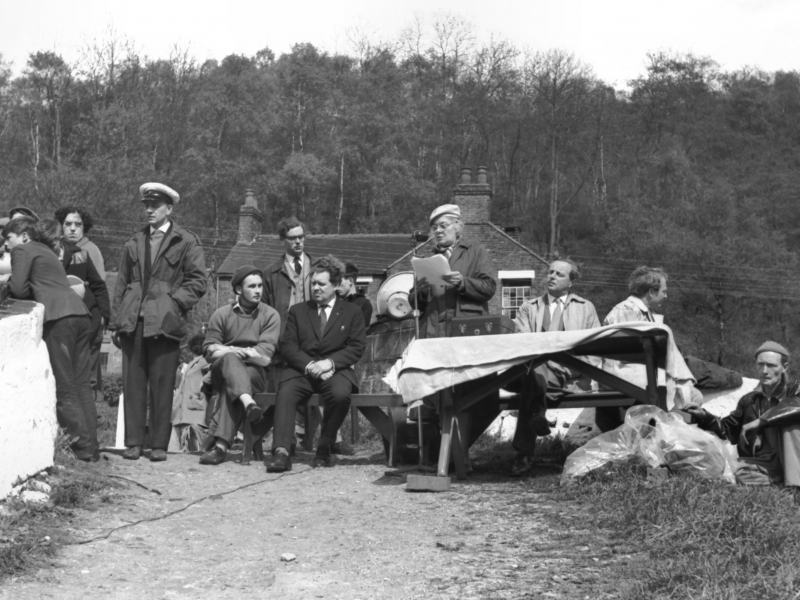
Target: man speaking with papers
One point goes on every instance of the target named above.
(465, 290)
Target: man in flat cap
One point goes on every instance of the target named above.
(162, 275)
(469, 285)
(765, 425)
(240, 342)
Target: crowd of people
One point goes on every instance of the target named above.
(300, 326)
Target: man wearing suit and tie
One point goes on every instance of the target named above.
(558, 310)
(322, 339)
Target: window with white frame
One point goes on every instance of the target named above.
(516, 289)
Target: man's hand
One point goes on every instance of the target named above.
(321, 367)
(421, 287)
(453, 278)
(752, 426)
(115, 339)
(696, 411)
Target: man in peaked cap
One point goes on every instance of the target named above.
(162, 275)
(765, 425)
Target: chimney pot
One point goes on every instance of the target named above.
(482, 175)
(249, 198)
(466, 176)
(250, 218)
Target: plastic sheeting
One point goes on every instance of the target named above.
(659, 439)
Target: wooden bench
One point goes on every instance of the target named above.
(369, 405)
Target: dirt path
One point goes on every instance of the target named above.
(356, 535)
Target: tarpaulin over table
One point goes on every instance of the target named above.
(432, 365)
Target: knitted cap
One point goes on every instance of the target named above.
(242, 273)
(772, 347)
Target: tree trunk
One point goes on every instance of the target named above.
(341, 196)
(553, 196)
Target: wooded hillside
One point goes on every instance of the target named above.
(691, 168)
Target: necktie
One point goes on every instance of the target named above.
(555, 320)
(298, 268)
(155, 244)
(323, 317)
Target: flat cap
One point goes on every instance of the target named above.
(772, 347)
(23, 210)
(159, 191)
(445, 209)
(241, 274)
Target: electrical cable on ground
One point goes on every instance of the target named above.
(106, 535)
(141, 485)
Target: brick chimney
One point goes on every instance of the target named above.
(474, 199)
(250, 218)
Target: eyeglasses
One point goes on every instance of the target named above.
(293, 238)
(75, 224)
(440, 226)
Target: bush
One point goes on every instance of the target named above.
(112, 388)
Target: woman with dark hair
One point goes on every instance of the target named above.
(76, 223)
(37, 274)
(189, 404)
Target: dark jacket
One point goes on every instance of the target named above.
(343, 341)
(362, 302)
(473, 262)
(37, 273)
(776, 411)
(176, 282)
(77, 262)
(278, 288)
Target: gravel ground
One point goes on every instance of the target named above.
(219, 532)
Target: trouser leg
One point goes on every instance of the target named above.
(335, 394)
(232, 378)
(534, 391)
(82, 366)
(163, 356)
(291, 392)
(95, 343)
(60, 337)
(134, 384)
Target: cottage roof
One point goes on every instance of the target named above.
(371, 253)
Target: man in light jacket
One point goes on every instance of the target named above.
(162, 275)
(557, 310)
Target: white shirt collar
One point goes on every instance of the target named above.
(640, 304)
(330, 304)
(164, 227)
(288, 258)
(551, 300)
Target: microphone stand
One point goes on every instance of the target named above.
(416, 237)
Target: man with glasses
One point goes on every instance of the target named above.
(287, 282)
(468, 286)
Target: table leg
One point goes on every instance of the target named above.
(446, 413)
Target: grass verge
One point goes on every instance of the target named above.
(697, 538)
(30, 535)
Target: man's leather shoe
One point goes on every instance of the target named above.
(133, 453)
(322, 461)
(342, 448)
(158, 455)
(539, 425)
(280, 463)
(254, 412)
(521, 465)
(215, 456)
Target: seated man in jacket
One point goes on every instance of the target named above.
(558, 310)
(240, 342)
(765, 425)
(322, 340)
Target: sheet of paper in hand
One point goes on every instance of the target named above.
(431, 269)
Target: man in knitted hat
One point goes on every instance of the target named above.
(240, 342)
(765, 426)
(162, 275)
